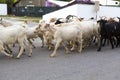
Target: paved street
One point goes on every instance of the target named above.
(90, 65)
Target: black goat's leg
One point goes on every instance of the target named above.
(117, 41)
(104, 41)
(111, 41)
(100, 44)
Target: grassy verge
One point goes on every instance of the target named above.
(22, 18)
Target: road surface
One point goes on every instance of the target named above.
(90, 65)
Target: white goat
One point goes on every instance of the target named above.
(32, 35)
(66, 33)
(11, 35)
(89, 29)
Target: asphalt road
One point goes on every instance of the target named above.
(90, 65)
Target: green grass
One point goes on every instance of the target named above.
(22, 18)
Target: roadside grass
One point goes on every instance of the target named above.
(23, 18)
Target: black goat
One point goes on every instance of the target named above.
(109, 31)
(58, 21)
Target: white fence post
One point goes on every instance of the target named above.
(3, 9)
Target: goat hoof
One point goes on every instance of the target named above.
(17, 58)
(79, 51)
(34, 47)
(24, 50)
(49, 49)
(72, 50)
(29, 55)
(67, 52)
(11, 55)
(98, 50)
(42, 46)
(52, 55)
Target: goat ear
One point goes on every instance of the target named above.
(52, 19)
(23, 26)
(47, 25)
(80, 19)
(98, 21)
(118, 17)
(1, 21)
(39, 25)
(26, 21)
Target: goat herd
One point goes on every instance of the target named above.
(72, 32)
